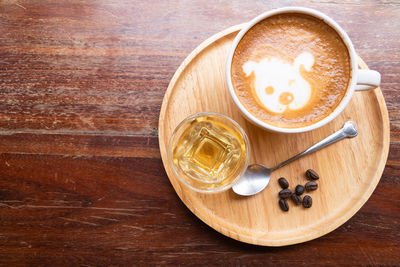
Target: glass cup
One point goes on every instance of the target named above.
(208, 152)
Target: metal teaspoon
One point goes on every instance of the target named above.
(257, 176)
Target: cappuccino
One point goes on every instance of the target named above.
(291, 70)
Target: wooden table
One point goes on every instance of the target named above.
(81, 178)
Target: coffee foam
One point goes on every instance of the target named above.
(279, 85)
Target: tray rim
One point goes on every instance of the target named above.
(249, 239)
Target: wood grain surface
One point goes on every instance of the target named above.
(349, 170)
(81, 178)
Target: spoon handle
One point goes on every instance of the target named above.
(349, 130)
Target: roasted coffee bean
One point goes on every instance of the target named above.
(283, 183)
(299, 190)
(307, 201)
(312, 175)
(285, 193)
(283, 204)
(296, 199)
(310, 186)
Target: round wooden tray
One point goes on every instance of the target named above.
(349, 169)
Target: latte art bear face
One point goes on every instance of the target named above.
(279, 85)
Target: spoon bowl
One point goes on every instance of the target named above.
(254, 180)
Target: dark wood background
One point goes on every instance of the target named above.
(81, 178)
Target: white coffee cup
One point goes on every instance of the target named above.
(360, 79)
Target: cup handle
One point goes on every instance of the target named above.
(367, 80)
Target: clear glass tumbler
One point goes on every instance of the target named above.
(208, 152)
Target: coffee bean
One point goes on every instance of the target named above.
(312, 175)
(283, 204)
(285, 193)
(296, 199)
(310, 186)
(283, 183)
(307, 201)
(299, 190)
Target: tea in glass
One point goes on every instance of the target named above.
(209, 152)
